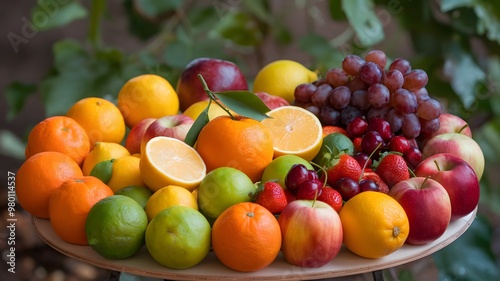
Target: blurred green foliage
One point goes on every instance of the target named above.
(457, 42)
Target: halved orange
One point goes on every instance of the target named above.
(169, 161)
(296, 131)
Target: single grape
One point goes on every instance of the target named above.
(329, 116)
(309, 189)
(400, 64)
(357, 127)
(321, 95)
(320, 82)
(404, 101)
(313, 109)
(347, 188)
(357, 84)
(411, 126)
(415, 80)
(395, 119)
(371, 142)
(359, 99)
(303, 92)
(393, 80)
(348, 114)
(351, 64)
(429, 126)
(429, 109)
(336, 77)
(340, 97)
(370, 73)
(382, 127)
(378, 57)
(378, 95)
(421, 94)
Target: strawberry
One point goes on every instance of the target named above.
(343, 166)
(369, 174)
(392, 168)
(357, 144)
(290, 196)
(331, 197)
(271, 196)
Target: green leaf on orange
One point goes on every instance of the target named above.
(245, 103)
(195, 129)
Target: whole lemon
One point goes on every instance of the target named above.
(281, 77)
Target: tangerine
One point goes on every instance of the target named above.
(39, 176)
(374, 224)
(246, 237)
(239, 142)
(100, 118)
(61, 134)
(70, 205)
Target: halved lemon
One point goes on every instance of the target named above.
(169, 161)
(296, 131)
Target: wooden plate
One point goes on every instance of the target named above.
(346, 263)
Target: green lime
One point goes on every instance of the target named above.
(222, 188)
(178, 237)
(116, 226)
(140, 194)
(333, 145)
(279, 167)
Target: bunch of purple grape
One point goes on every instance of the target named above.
(365, 88)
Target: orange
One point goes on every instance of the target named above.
(39, 176)
(296, 131)
(375, 225)
(70, 205)
(59, 133)
(241, 143)
(334, 129)
(100, 118)
(246, 237)
(170, 161)
(147, 96)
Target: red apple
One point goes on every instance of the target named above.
(448, 123)
(134, 137)
(457, 177)
(174, 126)
(427, 205)
(457, 144)
(272, 101)
(311, 233)
(220, 75)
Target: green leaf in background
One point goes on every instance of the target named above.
(464, 74)
(244, 103)
(319, 48)
(137, 24)
(16, 95)
(154, 8)
(198, 124)
(11, 145)
(361, 16)
(51, 14)
(240, 28)
(470, 257)
(335, 9)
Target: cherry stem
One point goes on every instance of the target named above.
(366, 162)
(212, 97)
